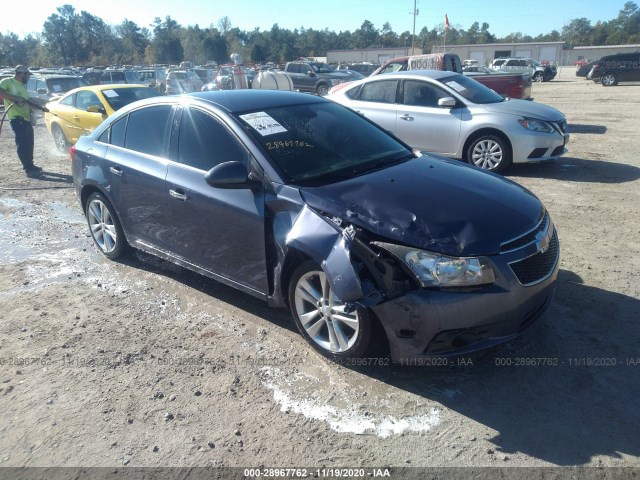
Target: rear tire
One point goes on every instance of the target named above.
(105, 227)
(322, 320)
(60, 139)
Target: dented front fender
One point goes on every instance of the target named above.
(329, 245)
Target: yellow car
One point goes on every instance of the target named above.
(81, 110)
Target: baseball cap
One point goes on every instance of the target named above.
(22, 69)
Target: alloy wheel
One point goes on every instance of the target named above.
(487, 154)
(322, 317)
(103, 228)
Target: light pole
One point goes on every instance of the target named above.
(413, 37)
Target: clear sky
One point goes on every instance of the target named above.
(531, 17)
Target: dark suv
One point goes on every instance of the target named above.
(314, 77)
(42, 88)
(621, 67)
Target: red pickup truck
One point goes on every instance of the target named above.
(513, 85)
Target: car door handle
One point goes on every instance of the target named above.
(116, 171)
(406, 117)
(179, 194)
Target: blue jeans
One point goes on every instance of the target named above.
(24, 140)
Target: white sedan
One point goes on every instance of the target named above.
(455, 116)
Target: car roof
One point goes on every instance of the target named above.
(435, 74)
(243, 100)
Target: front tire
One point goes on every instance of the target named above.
(538, 77)
(104, 226)
(59, 138)
(489, 152)
(322, 320)
(322, 90)
(609, 80)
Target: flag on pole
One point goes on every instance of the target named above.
(446, 22)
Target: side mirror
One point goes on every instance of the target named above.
(310, 73)
(447, 102)
(96, 109)
(229, 175)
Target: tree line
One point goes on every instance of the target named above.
(71, 38)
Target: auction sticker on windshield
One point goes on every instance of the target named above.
(263, 123)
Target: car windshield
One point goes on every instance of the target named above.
(471, 89)
(320, 143)
(119, 97)
(536, 63)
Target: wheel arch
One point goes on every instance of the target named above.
(482, 132)
(292, 259)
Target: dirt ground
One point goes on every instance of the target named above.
(142, 363)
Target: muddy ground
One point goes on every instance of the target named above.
(142, 363)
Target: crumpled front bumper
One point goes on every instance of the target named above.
(450, 323)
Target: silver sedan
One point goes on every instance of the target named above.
(455, 116)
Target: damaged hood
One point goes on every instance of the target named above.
(434, 204)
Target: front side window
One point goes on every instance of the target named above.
(383, 91)
(147, 130)
(204, 142)
(422, 94)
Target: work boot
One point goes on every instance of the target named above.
(34, 172)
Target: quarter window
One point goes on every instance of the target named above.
(204, 142)
(382, 92)
(147, 129)
(117, 132)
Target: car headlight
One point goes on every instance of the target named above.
(437, 270)
(335, 81)
(536, 125)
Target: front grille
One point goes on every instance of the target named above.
(537, 267)
(528, 237)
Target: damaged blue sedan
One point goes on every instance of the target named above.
(305, 204)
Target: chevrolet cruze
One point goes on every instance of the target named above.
(455, 116)
(303, 203)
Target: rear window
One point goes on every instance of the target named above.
(64, 84)
(119, 97)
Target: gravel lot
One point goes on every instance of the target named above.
(142, 363)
